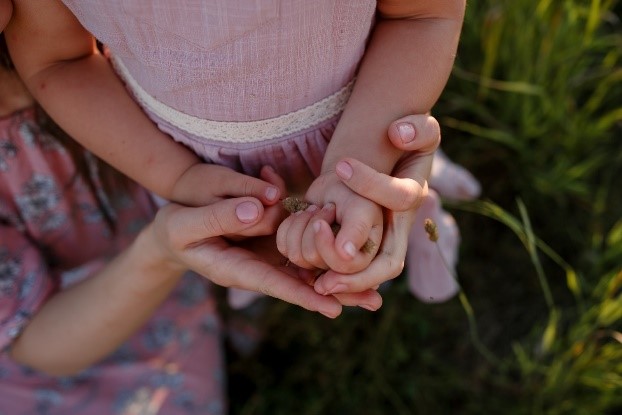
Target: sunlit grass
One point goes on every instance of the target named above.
(534, 110)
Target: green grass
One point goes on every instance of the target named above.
(534, 110)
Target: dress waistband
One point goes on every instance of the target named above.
(243, 131)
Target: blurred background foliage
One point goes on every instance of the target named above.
(534, 110)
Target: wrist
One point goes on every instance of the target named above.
(155, 260)
(184, 190)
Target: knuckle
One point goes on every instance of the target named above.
(248, 186)
(213, 224)
(360, 229)
(297, 258)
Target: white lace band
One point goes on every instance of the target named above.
(244, 131)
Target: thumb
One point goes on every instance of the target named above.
(225, 217)
(415, 133)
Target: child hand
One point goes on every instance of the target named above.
(306, 237)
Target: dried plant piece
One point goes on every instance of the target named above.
(431, 229)
(293, 204)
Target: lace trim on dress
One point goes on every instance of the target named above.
(242, 131)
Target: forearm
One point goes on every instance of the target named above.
(404, 71)
(57, 59)
(88, 321)
(87, 99)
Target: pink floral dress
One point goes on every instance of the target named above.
(52, 234)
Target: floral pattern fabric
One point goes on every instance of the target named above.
(52, 235)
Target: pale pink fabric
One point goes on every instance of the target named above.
(233, 60)
(241, 60)
(431, 265)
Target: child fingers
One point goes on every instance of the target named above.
(309, 249)
(268, 174)
(290, 235)
(325, 245)
(355, 235)
(234, 184)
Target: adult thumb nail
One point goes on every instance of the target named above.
(247, 212)
(406, 132)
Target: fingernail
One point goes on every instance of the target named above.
(316, 226)
(312, 208)
(406, 132)
(247, 212)
(350, 249)
(338, 288)
(328, 206)
(368, 307)
(344, 170)
(272, 193)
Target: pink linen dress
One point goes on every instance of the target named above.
(243, 83)
(52, 235)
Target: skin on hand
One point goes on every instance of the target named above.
(360, 220)
(225, 263)
(6, 10)
(401, 194)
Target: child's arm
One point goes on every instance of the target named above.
(406, 66)
(59, 62)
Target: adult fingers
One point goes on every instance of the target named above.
(368, 299)
(6, 10)
(254, 274)
(273, 213)
(419, 133)
(388, 263)
(187, 225)
(326, 246)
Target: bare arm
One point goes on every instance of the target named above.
(406, 66)
(86, 322)
(81, 325)
(61, 66)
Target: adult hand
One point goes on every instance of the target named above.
(199, 239)
(6, 10)
(401, 195)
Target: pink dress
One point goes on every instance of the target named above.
(242, 83)
(246, 83)
(52, 234)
